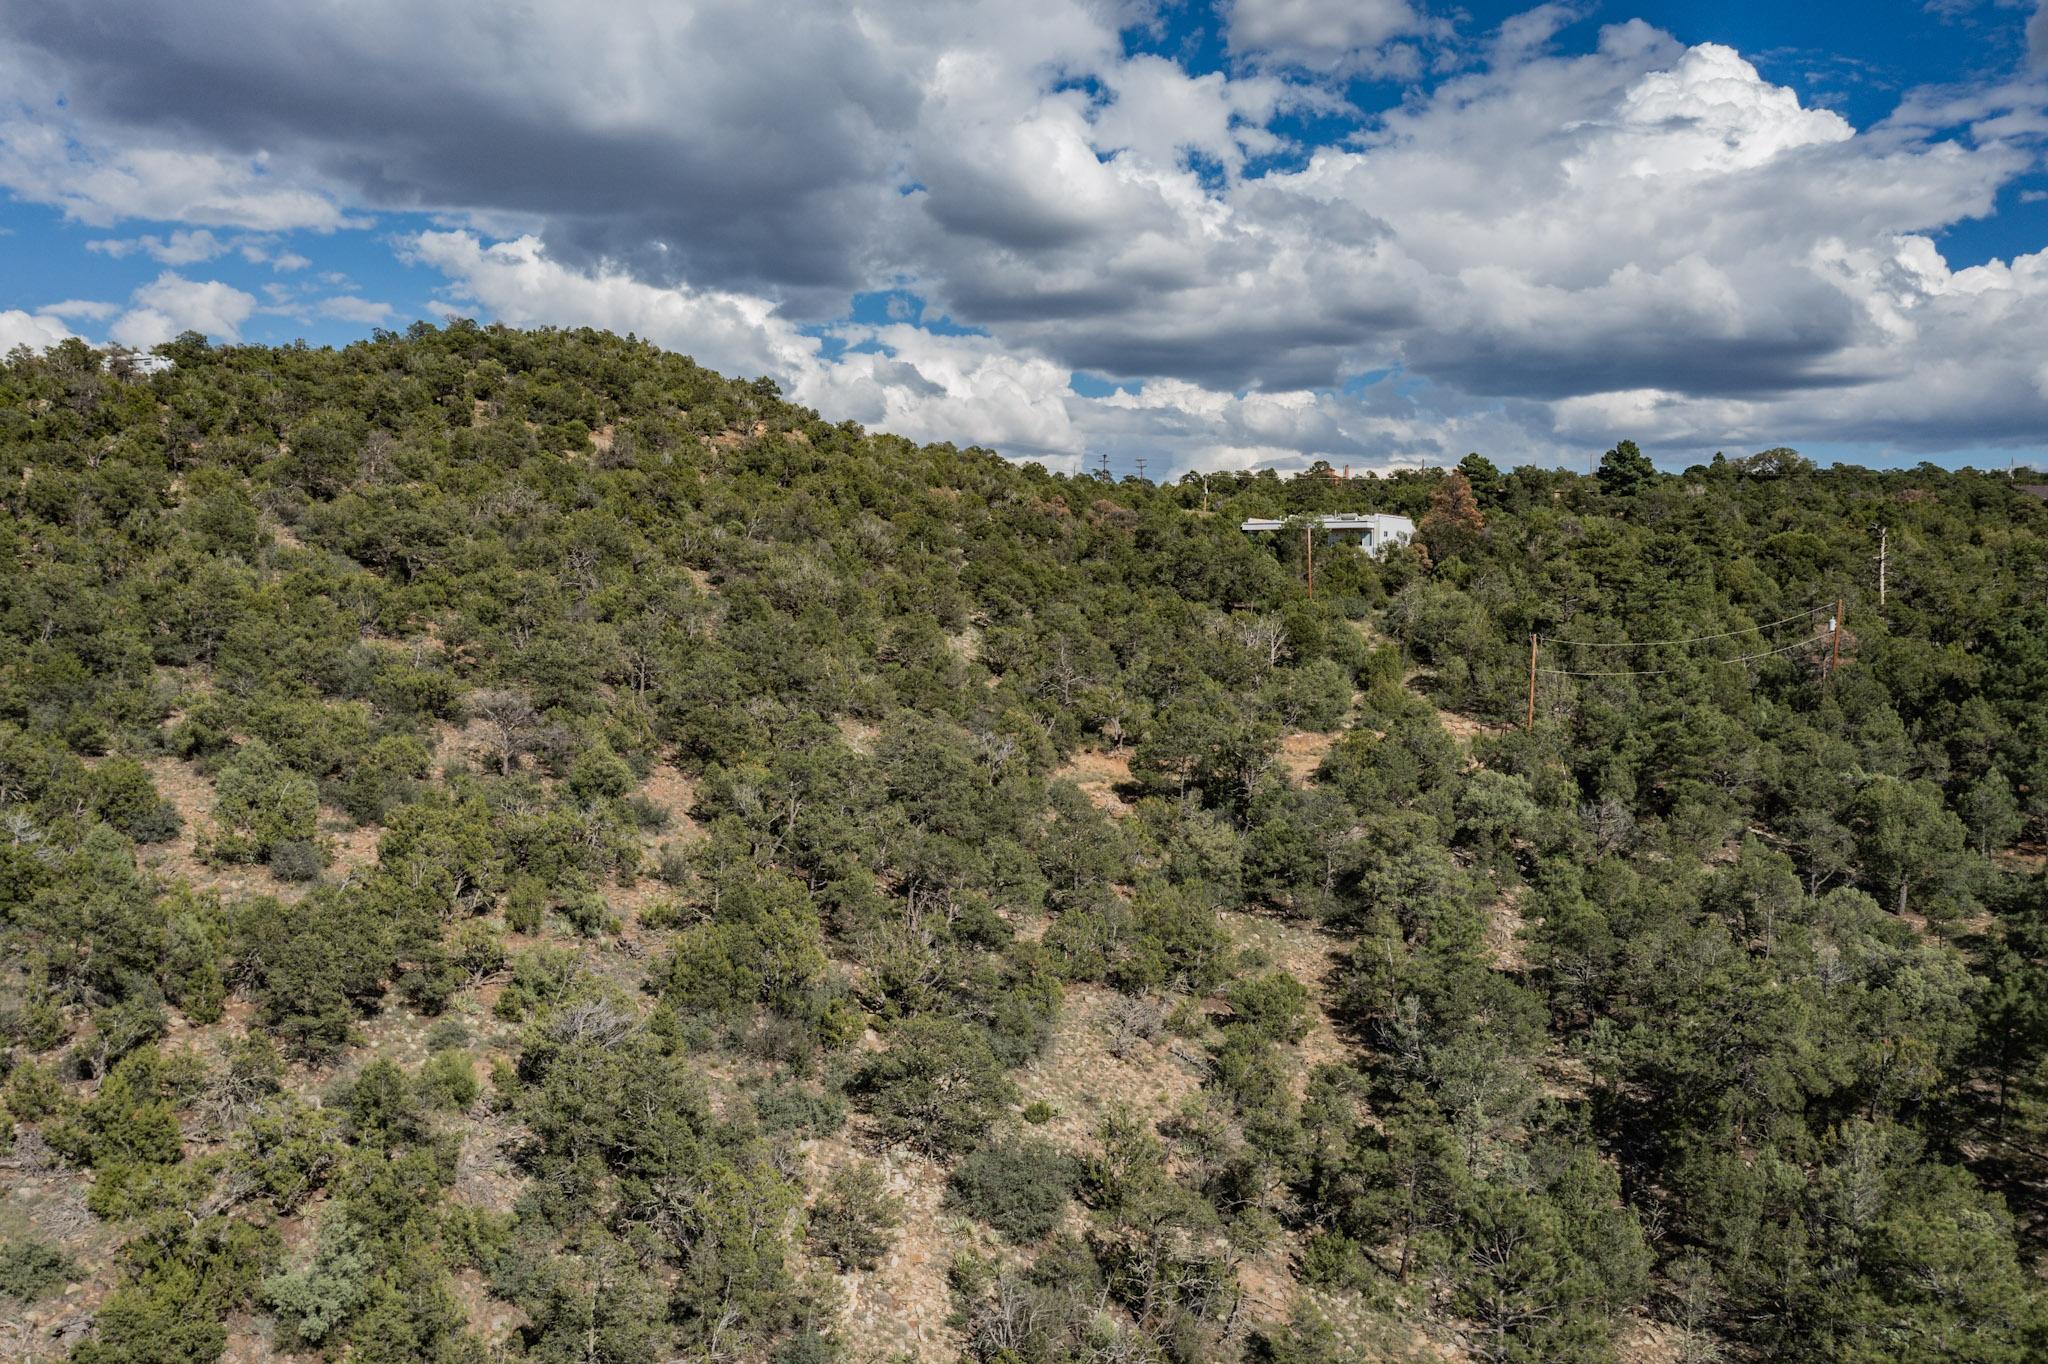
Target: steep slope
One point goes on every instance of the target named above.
(518, 846)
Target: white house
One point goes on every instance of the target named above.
(1377, 530)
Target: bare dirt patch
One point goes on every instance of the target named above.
(1311, 956)
(1302, 752)
(1085, 1080)
(1504, 932)
(192, 795)
(898, 1309)
(859, 736)
(40, 1200)
(484, 1173)
(1464, 728)
(351, 847)
(281, 535)
(468, 744)
(1103, 777)
(2028, 858)
(1643, 1341)
(1363, 1333)
(675, 795)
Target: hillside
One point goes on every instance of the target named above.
(518, 847)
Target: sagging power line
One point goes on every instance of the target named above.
(1831, 634)
(1807, 615)
(1653, 672)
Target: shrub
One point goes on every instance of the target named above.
(132, 1118)
(124, 1025)
(587, 913)
(526, 907)
(34, 1092)
(448, 1080)
(260, 803)
(254, 1068)
(124, 797)
(171, 1312)
(1332, 1260)
(39, 1025)
(1273, 1007)
(477, 953)
(289, 1150)
(30, 1269)
(808, 1346)
(312, 1302)
(795, 1110)
(599, 774)
(1018, 1185)
(855, 1218)
(295, 860)
(389, 775)
(648, 816)
(1308, 1338)
(937, 1087)
(672, 865)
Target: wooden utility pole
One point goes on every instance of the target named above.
(1308, 538)
(1529, 722)
(1835, 645)
(1883, 544)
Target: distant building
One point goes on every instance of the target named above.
(131, 363)
(1377, 530)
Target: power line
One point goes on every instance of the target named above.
(1653, 672)
(1807, 614)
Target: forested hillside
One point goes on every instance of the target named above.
(514, 846)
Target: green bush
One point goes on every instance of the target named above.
(32, 1269)
(1275, 1007)
(1018, 1185)
(314, 1301)
(796, 1111)
(260, 803)
(854, 1219)
(295, 860)
(448, 1080)
(125, 797)
(936, 1087)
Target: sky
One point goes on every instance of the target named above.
(1241, 233)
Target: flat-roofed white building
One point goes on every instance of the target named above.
(1377, 530)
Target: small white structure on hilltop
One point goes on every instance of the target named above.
(1379, 530)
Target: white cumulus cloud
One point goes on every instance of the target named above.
(171, 304)
(350, 308)
(1323, 35)
(1539, 242)
(182, 247)
(37, 331)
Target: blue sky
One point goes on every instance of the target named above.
(1243, 233)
